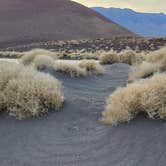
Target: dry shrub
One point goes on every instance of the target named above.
(158, 56)
(11, 54)
(28, 92)
(156, 62)
(73, 69)
(153, 99)
(122, 105)
(147, 95)
(126, 56)
(41, 62)
(84, 55)
(42, 59)
(8, 71)
(29, 56)
(92, 66)
(109, 57)
(130, 57)
(143, 70)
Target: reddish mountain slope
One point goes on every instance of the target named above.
(22, 20)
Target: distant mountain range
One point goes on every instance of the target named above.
(145, 24)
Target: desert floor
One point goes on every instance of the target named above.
(75, 137)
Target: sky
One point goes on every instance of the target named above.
(156, 6)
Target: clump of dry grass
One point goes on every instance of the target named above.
(159, 57)
(109, 57)
(8, 71)
(41, 62)
(155, 62)
(126, 56)
(147, 96)
(29, 56)
(92, 66)
(130, 57)
(73, 69)
(153, 99)
(122, 105)
(143, 70)
(11, 54)
(26, 92)
(82, 55)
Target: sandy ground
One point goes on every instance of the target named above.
(9, 60)
(60, 60)
(74, 137)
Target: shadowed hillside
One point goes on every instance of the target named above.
(22, 20)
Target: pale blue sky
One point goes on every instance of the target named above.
(138, 5)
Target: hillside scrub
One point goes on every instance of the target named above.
(147, 96)
(26, 92)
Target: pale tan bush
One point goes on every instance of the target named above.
(127, 56)
(153, 99)
(109, 57)
(11, 54)
(2, 101)
(29, 56)
(92, 66)
(28, 92)
(41, 62)
(143, 70)
(157, 56)
(155, 62)
(147, 96)
(130, 57)
(122, 105)
(83, 55)
(73, 69)
(8, 71)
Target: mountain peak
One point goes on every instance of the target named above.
(144, 24)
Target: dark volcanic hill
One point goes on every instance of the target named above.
(23, 20)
